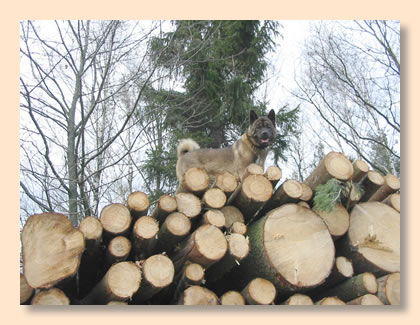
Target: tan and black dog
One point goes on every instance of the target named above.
(251, 147)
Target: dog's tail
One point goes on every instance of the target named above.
(186, 145)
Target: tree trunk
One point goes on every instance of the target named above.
(188, 204)
(232, 298)
(50, 297)
(118, 250)
(259, 292)
(393, 201)
(373, 239)
(51, 249)
(158, 272)
(116, 221)
(227, 183)
(144, 239)
(120, 283)
(298, 299)
(165, 206)
(26, 292)
(371, 183)
(196, 181)
(367, 299)
(360, 169)
(389, 289)
(273, 174)
(197, 295)
(291, 247)
(337, 221)
(214, 198)
(391, 185)
(334, 165)
(173, 230)
(138, 204)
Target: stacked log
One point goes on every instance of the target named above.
(234, 242)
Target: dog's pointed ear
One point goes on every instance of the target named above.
(272, 117)
(252, 116)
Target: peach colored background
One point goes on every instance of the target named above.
(225, 9)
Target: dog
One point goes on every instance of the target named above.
(251, 147)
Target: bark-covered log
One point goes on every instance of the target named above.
(333, 165)
(144, 237)
(330, 301)
(393, 201)
(188, 204)
(157, 273)
(196, 181)
(252, 194)
(26, 291)
(232, 214)
(367, 299)
(174, 229)
(197, 295)
(337, 221)
(373, 239)
(92, 230)
(227, 183)
(164, 207)
(291, 247)
(118, 250)
(53, 296)
(205, 246)
(360, 169)
(298, 299)
(273, 174)
(389, 289)
(214, 198)
(116, 221)
(138, 203)
(259, 291)
(120, 283)
(391, 185)
(51, 249)
(371, 183)
(231, 298)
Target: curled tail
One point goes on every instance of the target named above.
(186, 145)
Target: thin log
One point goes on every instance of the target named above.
(259, 292)
(53, 296)
(353, 198)
(118, 250)
(232, 214)
(174, 229)
(227, 183)
(164, 207)
(273, 174)
(92, 230)
(191, 274)
(391, 185)
(214, 217)
(197, 295)
(371, 183)
(144, 237)
(373, 239)
(238, 228)
(393, 201)
(252, 169)
(360, 169)
(298, 299)
(389, 289)
(188, 204)
(196, 181)
(26, 291)
(333, 165)
(337, 221)
(157, 273)
(214, 198)
(116, 221)
(307, 193)
(232, 298)
(51, 249)
(138, 203)
(120, 283)
(367, 299)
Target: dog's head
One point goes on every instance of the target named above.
(262, 129)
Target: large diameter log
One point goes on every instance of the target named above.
(259, 291)
(291, 247)
(252, 194)
(205, 246)
(92, 230)
(231, 298)
(144, 237)
(118, 250)
(360, 169)
(53, 296)
(188, 204)
(273, 174)
(232, 214)
(174, 229)
(138, 203)
(116, 220)
(393, 201)
(196, 181)
(337, 221)
(333, 165)
(197, 295)
(389, 289)
(298, 299)
(367, 299)
(120, 283)
(227, 183)
(51, 249)
(165, 206)
(391, 185)
(371, 183)
(214, 198)
(373, 239)
(26, 291)
(158, 273)
(357, 286)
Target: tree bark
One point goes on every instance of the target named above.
(138, 204)
(53, 296)
(51, 249)
(174, 229)
(360, 169)
(389, 289)
(259, 292)
(116, 221)
(371, 183)
(373, 239)
(165, 206)
(144, 239)
(334, 165)
(391, 185)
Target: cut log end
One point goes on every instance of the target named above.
(26, 291)
(91, 228)
(196, 180)
(367, 299)
(238, 246)
(259, 292)
(188, 204)
(337, 221)
(330, 301)
(145, 228)
(158, 270)
(389, 289)
(273, 174)
(115, 219)
(196, 295)
(215, 218)
(53, 296)
(210, 244)
(214, 198)
(226, 182)
(257, 188)
(232, 214)
(232, 298)
(194, 273)
(123, 280)
(178, 224)
(344, 266)
(299, 299)
(393, 201)
(119, 248)
(138, 203)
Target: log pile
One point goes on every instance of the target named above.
(224, 241)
